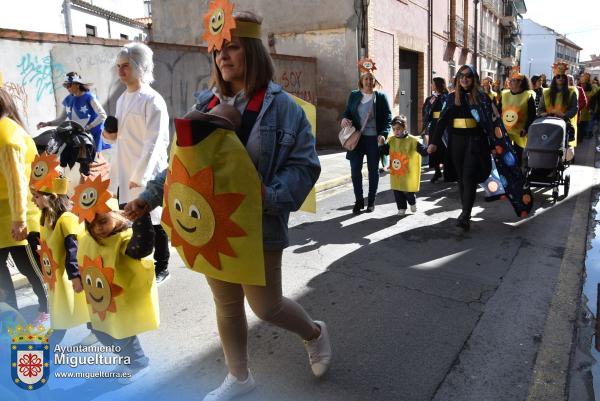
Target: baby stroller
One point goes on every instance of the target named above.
(545, 155)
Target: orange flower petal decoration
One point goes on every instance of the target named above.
(48, 264)
(218, 24)
(43, 171)
(366, 65)
(200, 220)
(398, 163)
(90, 198)
(98, 284)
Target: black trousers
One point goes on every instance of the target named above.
(161, 245)
(26, 261)
(403, 197)
(471, 159)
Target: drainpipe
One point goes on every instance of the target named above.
(67, 13)
(430, 44)
(475, 46)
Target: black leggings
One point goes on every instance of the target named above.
(467, 163)
(26, 261)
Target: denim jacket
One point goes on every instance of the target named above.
(288, 164)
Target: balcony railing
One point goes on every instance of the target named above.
(460, 31)
(471, 38)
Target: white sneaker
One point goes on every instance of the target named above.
(230, 388)
(88, 340)
(319, 351)
(413, 208)
(401, 212)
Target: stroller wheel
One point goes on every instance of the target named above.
(567, 185)
(555, 195)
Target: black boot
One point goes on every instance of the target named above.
(436, 176)
(370, 207)
(463, 221)
(358, 205)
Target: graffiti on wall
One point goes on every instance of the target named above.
(19, 95)
(291, 81)
(40, 74)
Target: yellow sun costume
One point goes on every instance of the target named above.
(120, 290)
(212, 208)
(13, 141)
(405, 164)
(514, 114)
(67, 308)
(310, 203)
(560, 108)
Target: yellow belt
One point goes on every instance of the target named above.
(464, 123)
(436, 114)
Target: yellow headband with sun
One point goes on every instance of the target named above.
(91, 197)
(515, 72)
(560, 68)
(219, 25)
(366, 65)
(45, 176)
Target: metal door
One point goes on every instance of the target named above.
(409, 63)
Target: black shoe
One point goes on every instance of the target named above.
(463, 221)
(357, 207)
(162, 276)
(370, 208)
(436, 176)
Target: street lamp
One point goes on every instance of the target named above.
(530, 60)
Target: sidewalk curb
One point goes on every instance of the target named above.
(335, 182)
(551, 368)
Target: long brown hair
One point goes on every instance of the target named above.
(8, 108)
(258, 68)
(439, 84)
(473, 95)
(57, 205)
(564, 90)
(120, 225)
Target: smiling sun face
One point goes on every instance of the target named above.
(90, 198)
(48, 264)
(510, 117)
(100, 291)
(43, 171)
(218, 24)
(200, 220)
(398, 163)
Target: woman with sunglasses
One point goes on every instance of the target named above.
(432, 109)
(560, 100)
(469, 119)
(83, 107)
(517, 105)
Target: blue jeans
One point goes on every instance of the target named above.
(367, 145)
(130, 346)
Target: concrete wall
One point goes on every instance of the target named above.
(539, 43)
(34, 72)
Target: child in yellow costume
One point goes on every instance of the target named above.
(405, 164)
(58, 247)
(118, 276)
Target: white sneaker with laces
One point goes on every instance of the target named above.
(413, 208)
(230, 388)
(319, 351)
(401, 212)
(42, 319)
(129, 374)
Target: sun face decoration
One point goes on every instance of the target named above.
(398, 163)
(90, 198)
(48, 264)
(218, 24)
(43, 171)
(200, 220)
(510, 116)
(100, 291)
(366, 65)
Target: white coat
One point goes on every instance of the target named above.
(141, 144)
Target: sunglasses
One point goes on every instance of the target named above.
(466, 76)
(560, 77)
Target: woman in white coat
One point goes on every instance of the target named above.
(142, 138)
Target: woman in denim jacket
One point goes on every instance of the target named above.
(372, 106)
(278, 139)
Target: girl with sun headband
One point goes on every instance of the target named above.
(278, 140)
(117, 274)
(58, 248)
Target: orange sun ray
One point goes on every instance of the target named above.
(47, 264)
(218, 24)
(222, 206)
(94, 270)
(43, 171)
(90, 198)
